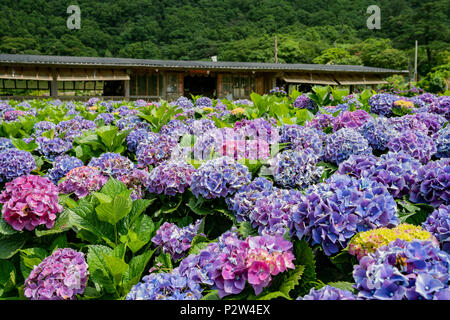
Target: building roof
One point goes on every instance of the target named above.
(182, 64)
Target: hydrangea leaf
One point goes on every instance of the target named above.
(10, 244)
(29, 258)
(62, 224)
(98, 270)
(136, 268)
(118, 208)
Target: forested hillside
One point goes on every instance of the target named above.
(308, 31)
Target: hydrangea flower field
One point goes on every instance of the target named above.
(323, 195)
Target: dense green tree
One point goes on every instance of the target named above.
(240, 30)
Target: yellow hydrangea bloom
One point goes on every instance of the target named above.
(367, 242)
(238, 111)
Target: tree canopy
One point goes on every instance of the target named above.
(308, 31)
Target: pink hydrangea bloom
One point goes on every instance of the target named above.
(30, 201)
(82, 180)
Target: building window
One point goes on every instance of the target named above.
(243, 85)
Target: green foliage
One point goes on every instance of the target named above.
(158, 116)
(234, 31)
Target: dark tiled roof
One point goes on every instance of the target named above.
(182, 64)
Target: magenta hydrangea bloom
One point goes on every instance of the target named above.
(254, 260)
(170, 178)
(348, 119)
(82, 181)
(248, 149)
(60, 276)
(30, 201)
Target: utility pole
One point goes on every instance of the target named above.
(276, 49)
(415, 62)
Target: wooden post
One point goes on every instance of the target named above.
(54, 85)
(127, 89)
(415, 62)
(276, 49)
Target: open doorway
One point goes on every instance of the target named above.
(200, 85)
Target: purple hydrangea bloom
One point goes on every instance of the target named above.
(438, 223)
(199, 267)
(29, 201)
(170, 178)
(135, 180)
(107, 118)
(433, 121)
(304, 102)
(42, 126)
(408, 122)
(112, 164)
(61, 166)
(300, 137)
(132, 122)
(6, 144)
(136, 136)
(271, 215)
(382, 103)
(442, 141)
(174, 128)
(244, 102)
(52, 148)
(328, 293)
(61, 276)
(357, 166)
(174, 240)
(165, 286)
(349, 119)
(184, 103)
(432, 183)
(125, 111)
(243, 201)
(73, 128)
(441, 106)
(396, 171)
(152, 152)
(82, 181)
(258, 129)
(296, 169)
(415, 143)
(321, 121)
(200, 126)
(343, 143)
(334, 211)
(378, 132)
(140, 103)
(428, 98)
(92, 101)
(219, 177)
(415, 270)
(204, 102)
(15, 163)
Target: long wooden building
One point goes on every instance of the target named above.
(122, 78)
